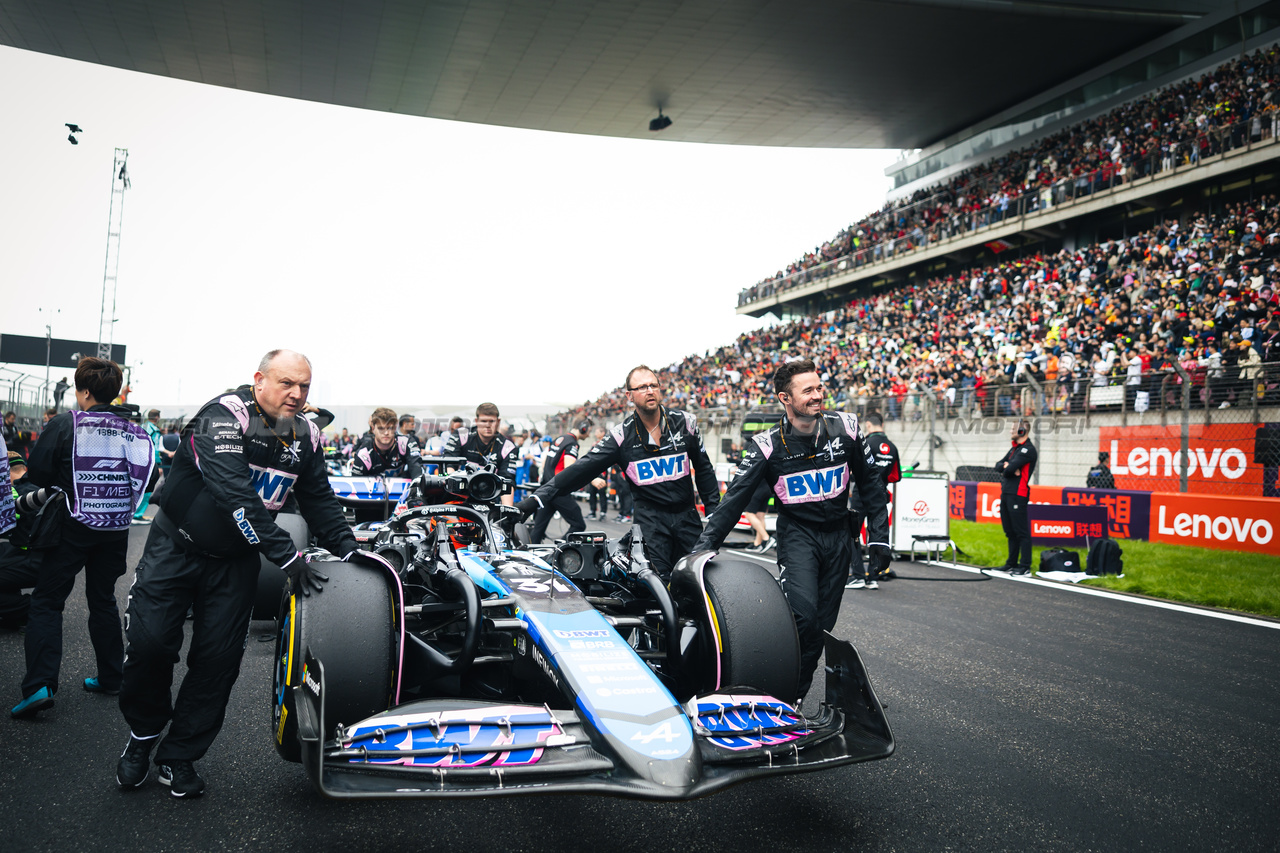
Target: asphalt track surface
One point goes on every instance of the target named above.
(1026, 718)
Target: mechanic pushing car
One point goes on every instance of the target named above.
(663, 458)
(562, 454)
(240, 459)
(484, 446)
(810, 459)
(380, 451)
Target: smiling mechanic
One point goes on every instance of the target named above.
(809, 459)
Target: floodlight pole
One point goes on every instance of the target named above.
(115, 218)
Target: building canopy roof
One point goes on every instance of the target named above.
(820, 73)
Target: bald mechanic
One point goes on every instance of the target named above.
(663, 459)
(810, 460)
(240, 459)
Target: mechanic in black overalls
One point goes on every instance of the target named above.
(1015, 471)
(885, 454)
(810, 459)
(563, 453)
(664, 459)
(241, 458)
(381, 452)
(485, 445)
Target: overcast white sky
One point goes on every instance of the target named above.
(413, 260)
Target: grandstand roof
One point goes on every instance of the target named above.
(824, 73)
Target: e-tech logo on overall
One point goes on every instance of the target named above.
(659, 470)
(272, 486)
(808, 486)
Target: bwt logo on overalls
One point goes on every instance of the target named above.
(272, 486)
(661, 469)
(814, 485)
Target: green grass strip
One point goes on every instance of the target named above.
(1233, 580)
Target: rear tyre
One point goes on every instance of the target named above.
(759, 647)
(349, 628)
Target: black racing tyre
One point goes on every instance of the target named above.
(347, 627)
(271, 577)
(760, 647)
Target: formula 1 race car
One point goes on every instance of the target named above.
(454, 660)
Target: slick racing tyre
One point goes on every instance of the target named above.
(271, 577)
(348, 627)
(758, 643)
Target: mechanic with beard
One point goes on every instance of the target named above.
(484, 446)
(380, 452)
(562, 454)
(664, 459)
(810, 460)
(240, 459)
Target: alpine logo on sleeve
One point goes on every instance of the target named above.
(660, 469)
(809, 486)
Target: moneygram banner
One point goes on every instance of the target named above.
(1207, 521)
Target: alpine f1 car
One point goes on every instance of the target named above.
(452, 660)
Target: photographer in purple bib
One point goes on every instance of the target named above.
(810, 460)
(240, 459)
(97, 464)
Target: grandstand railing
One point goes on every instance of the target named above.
(899, 233)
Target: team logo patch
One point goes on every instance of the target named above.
(660, 469)
(809, 486)
(272, 485)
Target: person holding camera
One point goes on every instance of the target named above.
(484, 446)
(810, 460)
(100, 463)
(664, 461)
(244, 455)
(1015, 471)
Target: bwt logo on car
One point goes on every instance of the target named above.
(583, 634)
(813, 485)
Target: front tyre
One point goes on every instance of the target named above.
(754, 632)
(349, 627)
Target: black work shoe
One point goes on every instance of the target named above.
(134, 763)
(182, 779)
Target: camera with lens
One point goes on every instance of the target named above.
(583, 555)
(474, 483)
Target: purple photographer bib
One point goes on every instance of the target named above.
(111, 461)
(8, 514)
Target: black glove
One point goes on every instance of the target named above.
(304, 576)
(878, 559)
(528, 507)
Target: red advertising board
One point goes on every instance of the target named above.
(989, 500)
(1232, 524)
(1220, 458)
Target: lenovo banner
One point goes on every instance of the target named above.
(1222, 459)
(1233, 524)
(1066, 525)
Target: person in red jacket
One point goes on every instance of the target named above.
(1015, 471)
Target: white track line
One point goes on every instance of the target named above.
(1114, 596)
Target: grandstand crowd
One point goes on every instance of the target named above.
(1202, 294)
(1222, 109)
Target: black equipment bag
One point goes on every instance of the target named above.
(1058, 560)
(1104, 558)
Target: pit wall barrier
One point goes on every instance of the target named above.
(1207, 521)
